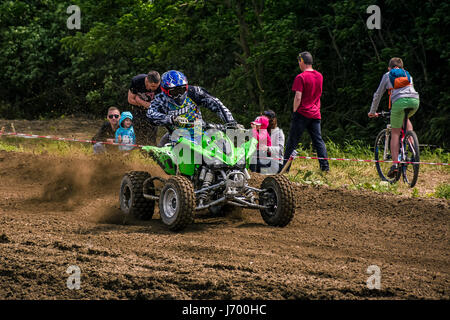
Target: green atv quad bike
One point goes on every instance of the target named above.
(214, 177)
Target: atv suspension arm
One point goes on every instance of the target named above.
(210, 187)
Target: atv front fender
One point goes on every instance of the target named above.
(164, 157)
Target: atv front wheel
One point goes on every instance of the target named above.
(177, 203)
(279, 197)
(132, 201)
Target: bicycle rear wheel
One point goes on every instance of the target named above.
(383, 153)
(410, 171)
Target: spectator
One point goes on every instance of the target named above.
(143, 89)
(277, 138)
(107, 131)
(261, 159)
(125, 132)
(306, 110)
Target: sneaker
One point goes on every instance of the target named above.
(393, 171)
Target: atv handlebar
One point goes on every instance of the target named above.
(216, 126)
(223, 127)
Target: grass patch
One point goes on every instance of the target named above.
(443, 191)
(381, 186)
(4, 146)
(362, 175)
(40, 146)
(64, 149)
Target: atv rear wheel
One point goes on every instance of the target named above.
(132, 201)
(177, 203)
(279, 196)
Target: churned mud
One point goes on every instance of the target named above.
(58, 212)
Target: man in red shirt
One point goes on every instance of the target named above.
(306, 109)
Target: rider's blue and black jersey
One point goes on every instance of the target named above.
(162, 110)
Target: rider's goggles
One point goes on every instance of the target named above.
(177, 91)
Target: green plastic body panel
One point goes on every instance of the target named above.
(209, 150)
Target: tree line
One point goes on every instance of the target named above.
(243, 52)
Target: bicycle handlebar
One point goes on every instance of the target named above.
(383, 114)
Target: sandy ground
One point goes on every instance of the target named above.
(61, 212)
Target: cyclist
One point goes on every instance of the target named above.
(403, 96)
(178, 103)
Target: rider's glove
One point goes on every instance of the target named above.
(179, 121)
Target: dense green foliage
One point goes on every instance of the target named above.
(244, 52)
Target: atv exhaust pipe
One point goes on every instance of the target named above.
(145, 187)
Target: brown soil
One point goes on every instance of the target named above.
(57, 212)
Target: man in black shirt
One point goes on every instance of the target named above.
(107, 131)
(143, 89)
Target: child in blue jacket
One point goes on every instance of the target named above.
(125, 132)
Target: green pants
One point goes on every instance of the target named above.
(398, 110)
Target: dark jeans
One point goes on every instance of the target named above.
(298, 124)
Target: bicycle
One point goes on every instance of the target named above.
(408, 156)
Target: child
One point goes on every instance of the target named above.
(259, 130)
(277, 139)
(125, 132)
(402, 96)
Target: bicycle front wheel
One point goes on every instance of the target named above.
(383, 153)
(410, 171)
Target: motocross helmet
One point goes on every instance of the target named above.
(174, 84)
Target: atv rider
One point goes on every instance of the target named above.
(179, 103)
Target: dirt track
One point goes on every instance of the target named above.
(57, 212)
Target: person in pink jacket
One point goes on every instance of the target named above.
(259, 130)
